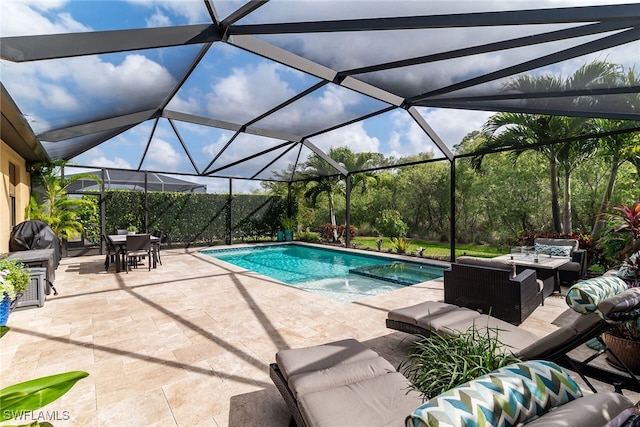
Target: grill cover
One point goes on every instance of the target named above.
(35, 234)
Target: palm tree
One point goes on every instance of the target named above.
(321, 180)
(55, 207)
(525, 131)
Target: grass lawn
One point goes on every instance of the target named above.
(434, 250)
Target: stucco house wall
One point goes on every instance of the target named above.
(20, 191)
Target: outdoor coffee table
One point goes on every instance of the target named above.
(546, 267)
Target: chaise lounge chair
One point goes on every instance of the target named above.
(346, 383)
(596, 299)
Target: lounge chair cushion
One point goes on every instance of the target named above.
(515, 394)
(412, 313)
(309, 359)
(598, 408)
(585, 296)
(381, 401)
(555, 340)
(340, 375)
(512, 338)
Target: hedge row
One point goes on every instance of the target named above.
(186, 218)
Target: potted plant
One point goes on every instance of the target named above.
(438, 363)
(624, 236)
(13, 279)
(288, 224)
(132, 229)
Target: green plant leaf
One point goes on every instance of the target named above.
(34, 394)
(4, 330)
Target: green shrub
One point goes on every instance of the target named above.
(438, 363)
(391, 224)
(16, 280)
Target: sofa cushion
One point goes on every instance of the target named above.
(515, 394)
(502, 264)
(337, 376)
(593, 410)
(570, 266)
(381, 401)
(571, 243)
(585, 296)
(308, 359)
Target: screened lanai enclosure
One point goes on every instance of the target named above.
(249, 91)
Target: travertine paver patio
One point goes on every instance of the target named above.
(189, 343)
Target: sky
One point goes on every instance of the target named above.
(235, 85)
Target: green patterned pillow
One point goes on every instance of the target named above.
(506, 397)
(553, 249)
(585, 296)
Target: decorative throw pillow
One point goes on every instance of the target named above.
(585, 296)
(508, 396)
(552, 250)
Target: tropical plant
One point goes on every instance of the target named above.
(624, 234)
(288, 223)
(53, 205)
(14, 278)
(626, 225)
(438, 363)
(399, 244)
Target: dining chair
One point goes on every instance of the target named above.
(112, 254)
(138, 246)
(156, 245)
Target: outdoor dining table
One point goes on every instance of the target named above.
(120, 242)
(546, 267)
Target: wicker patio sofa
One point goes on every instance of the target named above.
(489, 286)
(575, 269)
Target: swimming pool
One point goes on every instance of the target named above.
(339, 275)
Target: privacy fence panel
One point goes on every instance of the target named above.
(188, 218)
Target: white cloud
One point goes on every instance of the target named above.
(161, 153)
(136, 76)
(453, 125)
(193, 11)
(158, 19)
(248, 92)
(353, 136)
(28, 18)
(96, 157)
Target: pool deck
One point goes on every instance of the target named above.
(189, 343)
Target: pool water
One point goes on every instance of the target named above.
(339, 275)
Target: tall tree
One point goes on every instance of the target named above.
(525, 131)
(322, 179)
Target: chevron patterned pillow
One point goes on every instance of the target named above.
(585, 296)
(506, 397)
